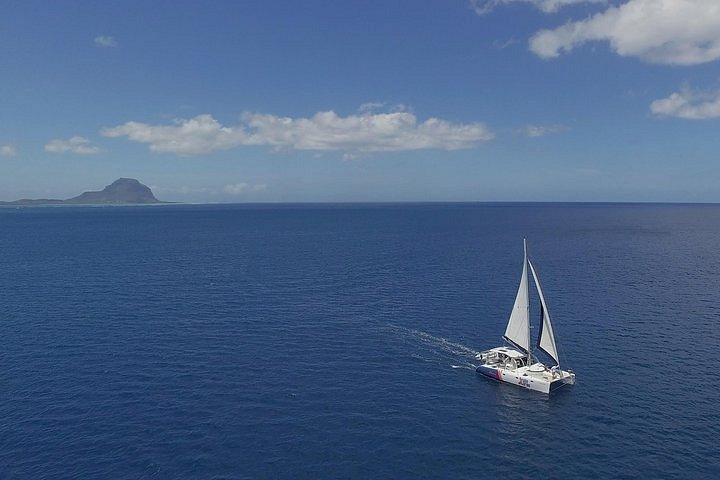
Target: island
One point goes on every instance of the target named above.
(121, 191)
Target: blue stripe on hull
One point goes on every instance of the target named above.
(487, 371)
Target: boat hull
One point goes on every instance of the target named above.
(532, 378)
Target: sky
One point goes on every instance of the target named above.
(373, 100)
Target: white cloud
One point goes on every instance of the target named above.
(365, 132)
(688, 105)
(7, 151)
(483, 7)
(106, 41)
(379, 132)
(672, 32)
(542, 130)
(236, 188)
(79, 145)
(243, 187)
(202, 134)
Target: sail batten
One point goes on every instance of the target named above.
(546, 336)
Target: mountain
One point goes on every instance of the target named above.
(121, 191)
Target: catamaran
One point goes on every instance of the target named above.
(515, 362)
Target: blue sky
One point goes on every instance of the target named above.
(415, 100)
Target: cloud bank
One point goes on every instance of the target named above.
(78, 145)
(366, 132)
(202, 134)
(483, 7)
(670, 32)
(688, 105)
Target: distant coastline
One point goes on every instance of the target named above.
(123, 191)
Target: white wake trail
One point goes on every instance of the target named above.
(427, 345)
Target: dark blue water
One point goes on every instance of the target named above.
(337, 341)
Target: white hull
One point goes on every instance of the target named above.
(543, 381)
(508, 365)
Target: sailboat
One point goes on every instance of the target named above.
(515, 362)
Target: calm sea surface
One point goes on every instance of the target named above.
(338, 341)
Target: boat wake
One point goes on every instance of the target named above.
(469, 366)
(430, 348)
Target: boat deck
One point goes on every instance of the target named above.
(542, 374)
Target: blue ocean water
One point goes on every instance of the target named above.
(338, 341)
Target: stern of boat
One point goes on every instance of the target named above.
(563, 378)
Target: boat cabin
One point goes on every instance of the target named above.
(504, 357)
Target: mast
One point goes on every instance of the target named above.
(527, 285)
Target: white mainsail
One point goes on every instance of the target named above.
(546, 338)
(518, 327)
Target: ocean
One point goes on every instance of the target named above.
(328, 341)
